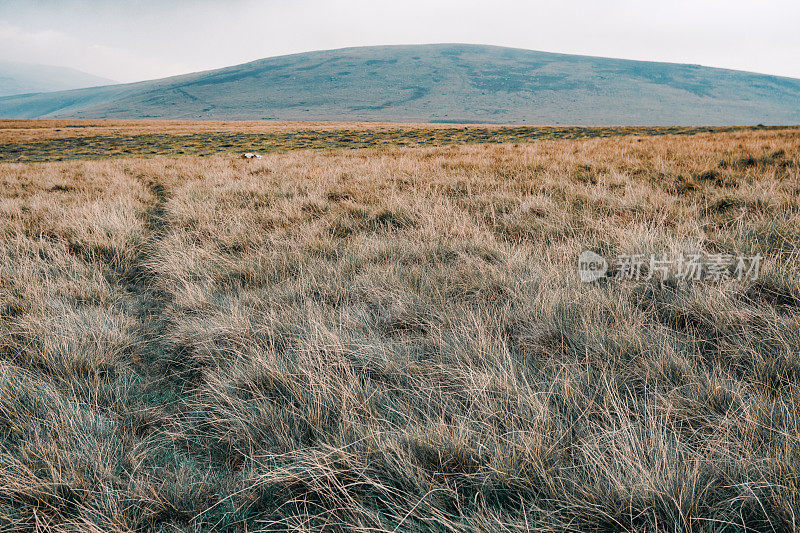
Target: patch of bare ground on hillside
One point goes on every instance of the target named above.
(396, 339)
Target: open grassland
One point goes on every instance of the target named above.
(396, 339)
(63, 140)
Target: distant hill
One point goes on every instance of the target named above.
(440, 83)
(22, 78)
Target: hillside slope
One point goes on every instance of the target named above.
(447, 83)
(22, 78)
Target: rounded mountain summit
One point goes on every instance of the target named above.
(455, 83)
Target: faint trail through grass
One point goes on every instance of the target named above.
(149, 302)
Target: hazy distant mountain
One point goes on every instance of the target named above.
(448, 82)
(22, 78)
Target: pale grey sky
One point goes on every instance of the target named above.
(137, 40)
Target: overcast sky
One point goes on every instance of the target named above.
(144, 39)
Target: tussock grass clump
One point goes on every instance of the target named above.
(396, 339)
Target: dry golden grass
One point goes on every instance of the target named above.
(396, 340)
(63, 140)
(13, 130)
